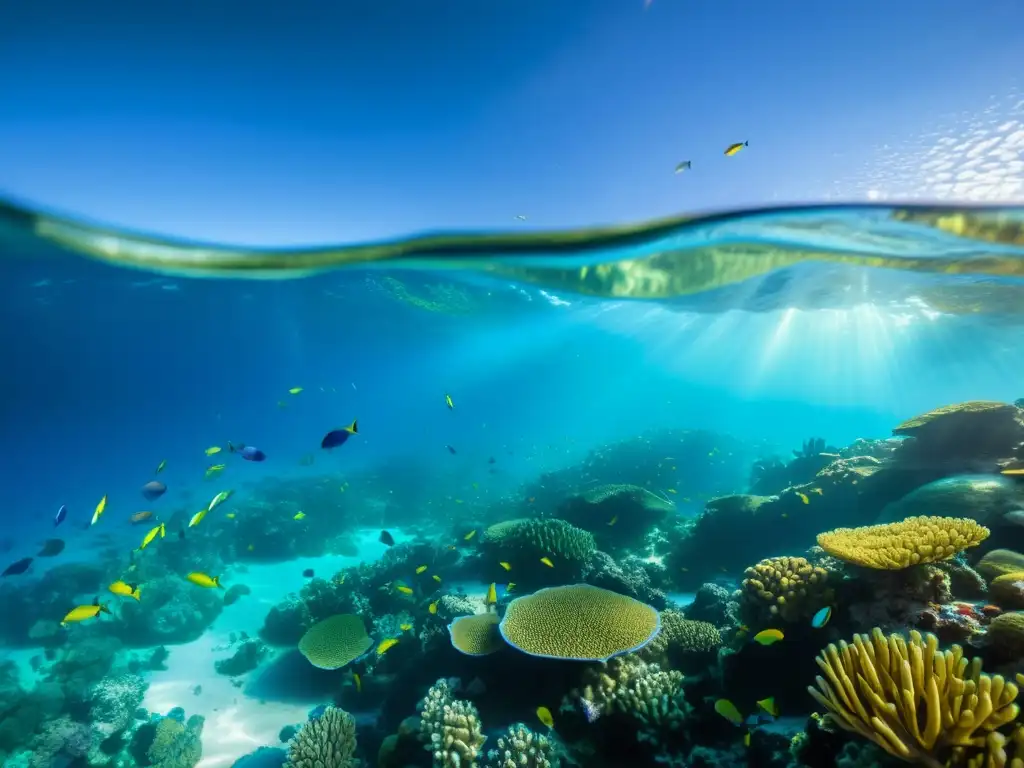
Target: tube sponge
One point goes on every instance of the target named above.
(918, 703)
(328, 741)
(895, 546)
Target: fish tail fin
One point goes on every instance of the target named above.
(353, 427)
(746, 143)
(216, 580)
(231, 447)
(103, 607)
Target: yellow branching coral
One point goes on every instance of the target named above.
(578, 622)
(788, 587)
(476, 635)
(334, 642)
(916, 702)
(894, 546)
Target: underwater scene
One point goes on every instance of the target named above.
(479, 385)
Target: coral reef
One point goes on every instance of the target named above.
(632, 511)
(522, 748)
(327, 741)
(893, 546)
(113, 702)
(246, 658)
(787, 588)
(451, 728)
(335, 642)
(476, 635)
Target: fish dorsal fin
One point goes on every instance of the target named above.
(96, 600)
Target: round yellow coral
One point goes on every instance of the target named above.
(894, 546)
(788, 587)
(334, 642)
(578, 622)
(476, 635)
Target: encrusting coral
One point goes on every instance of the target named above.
(579, 622)
(786, 587)
(451, 728)
(542, 537)
(680, 636)
(328, 741)
(629, 685)
(476, 635)
(336, 641)
(895, 546)
(916, 702)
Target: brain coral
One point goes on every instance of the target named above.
(788, 587)
(476, 635)
(578, 622)
(541, 537)
(894, 546)
(334, 642)
(327, 741)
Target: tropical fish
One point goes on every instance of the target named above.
(98, 512)
(746, 739)
(248, 452)
(404, 589)
(469, 535)
(820, 619)
(83, 612)
(684, 166)
(62, 515)
(728, 710)
(386, 539)
(544, 715)
(432, 608)
(769, 706)
(294, 390)
(160, 467)
(547, 562)
(153, 533)
(436, 578)
(421, 569)
(308, 573)
(450, 450)
(212, 450)
(202, 580)
(1012, 471)
(140, 517)
(492, 594)
(124, 589)
(219, 499)
(153, 490)
(405, 627)
(357, 681)
(448, 402)
(299, 516)
(732, 149)
(17, 568)
(337, 437)
(231, 515)
(803, 497)
(768, 636)
(614, 520)
(385, 645)
(506, 566)
(51, 548)
(197, 518)
(672, 490)
(510, 586)
(590, 710)
(520, 217)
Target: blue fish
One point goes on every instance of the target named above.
(247, 452)
(820, 619)
(62, 514)
(337, 437)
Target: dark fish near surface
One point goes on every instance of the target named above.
(51, 548)
(18, 568)
(62, 515)
(153, 490)
(308, 573)
(450, 450)
(387, 539)
(491, 460)
(338, 437)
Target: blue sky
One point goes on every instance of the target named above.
(311, 121)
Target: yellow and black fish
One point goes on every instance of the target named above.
(732, 149)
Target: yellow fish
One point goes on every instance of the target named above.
(83, 612)
(492, 594)
(728, 710)
(216, 468)
(197, 518)
(732, 149)
(405, 627)
(769, 706)
(202, 580)
(386, 645)
(432, 607)
(436, 578)
(230, 515)
(294, 390)
(448, 402)
(219, 499)
(124, 590)
(404, 589)
(803, 497)
(614, 520)
(510, 586)
(469, 535)
(99, 511)
(505, 565)
(544, 715)
(547, 562)
(358, 682)
(746, 739)
(768, 636)
(212, 450)
(672, 490)
(161, 466)
(152, 535)
(1012, 472)
(299, 516)
(421, 569)
(250, 548)
(817, 491)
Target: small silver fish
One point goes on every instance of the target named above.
(684, 166)
(520, 217)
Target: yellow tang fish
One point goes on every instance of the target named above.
(769, 706)
(160, 467)
(732, 149)
(510, 586)
(672, 490)
(197, 518)
(202, 580)
(432, 607)
(405, 627)
(436, 578)
(492, 594)
(1012, 472)
(83, 612)
(768, 636)
(746, 739)
(547, 562)
(404, 589)
(212, 450)
(216, 468)
(294, 390)
(299, 516)
(124, 589)
(803, 497)
(385, 645)
(469, 535)
(99, 511)
(358, 682)
(219, 499)
(158, 530)
(448, 402)
(728, 710)
(614, 520)
(230, 515)
(544, 715)
(421, 569)
(506, 566)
